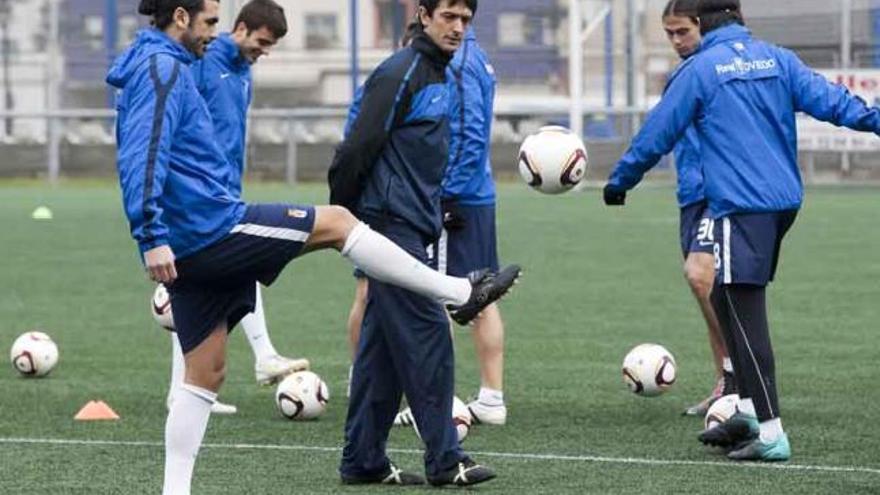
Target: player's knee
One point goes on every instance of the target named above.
(699, 279)
(333, 225)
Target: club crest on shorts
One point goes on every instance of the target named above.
(297, 213)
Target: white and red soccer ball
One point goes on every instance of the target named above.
(461, 418)
(160, 308)
(649, 370)
(302, 395)
(34, 354)
(553, 160)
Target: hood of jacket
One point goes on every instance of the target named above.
(147, 43)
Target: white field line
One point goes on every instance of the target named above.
(505, 455)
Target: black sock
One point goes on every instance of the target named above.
(746, 316)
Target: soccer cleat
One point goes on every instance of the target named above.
(273, 369)
(488, 415)
(486, 288)
(216, 408)
(757, 450)
(394, 476)
(465, 473)
(739, 428)
(404, 418)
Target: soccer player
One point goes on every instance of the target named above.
(742, 94)
(683, 30)
(206, 245)
(389, 171)
(468, 240)
(223, 77)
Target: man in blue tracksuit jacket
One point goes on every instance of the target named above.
(223, 78)
(389, 171)
(200, 240)
(742, 95)
(468, 242)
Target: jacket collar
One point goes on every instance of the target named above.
(229, 52)
(423, 44)
(729, 32)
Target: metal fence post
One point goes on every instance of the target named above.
(53, 94)
(290, 161)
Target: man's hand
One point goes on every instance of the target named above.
(159, 262)
(614, 197)
(452, 218)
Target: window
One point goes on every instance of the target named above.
(128, 26)
(93, 31)
(321, 31)
(389, 13)
(517, 29)
(512, 29)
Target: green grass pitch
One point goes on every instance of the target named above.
(597, 281)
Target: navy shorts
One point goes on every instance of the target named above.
(218, 283)
(748, 244)
(696, 229)
(472, 247)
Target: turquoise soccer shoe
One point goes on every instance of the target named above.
(756, 450)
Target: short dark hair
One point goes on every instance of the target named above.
(431, 5)
(715, 14)
(263, 13)
(682, 8)
(162, 11)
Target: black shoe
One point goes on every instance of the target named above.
(465, 473)
(736, 430)
(487, 287)
(394, 476)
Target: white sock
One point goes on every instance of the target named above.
(184, 431)
(771, 430)
(383, 260)
(491, 397)
(726, 365)
(177, 366)
(254, 326)
(747, 407)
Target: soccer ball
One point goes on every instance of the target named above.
(649, 370)
(721, 410)
(160, 308)
(302, 395)
(553, 160)
(34, 354)
(461, 418)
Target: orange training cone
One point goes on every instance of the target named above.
(96, 410)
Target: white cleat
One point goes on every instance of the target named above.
(274, 368)
(216, 408)
(487, 415)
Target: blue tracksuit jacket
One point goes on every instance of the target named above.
(468, 178)
(173, 175)
(742, 94)
(223, 78)
(392, 161)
